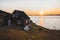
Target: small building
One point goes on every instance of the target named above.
(17, 18)
(20, 18)
(4, 17)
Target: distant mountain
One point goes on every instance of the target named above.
(51, 15)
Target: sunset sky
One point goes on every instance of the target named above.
(31, 7)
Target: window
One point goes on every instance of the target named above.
(26, 21)
(13, 15)
(18, 21)
(9, 22)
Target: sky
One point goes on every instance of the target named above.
(30, 6)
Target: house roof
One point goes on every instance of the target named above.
(21, 13)
(3, 12)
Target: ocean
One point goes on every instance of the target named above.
(50, 22)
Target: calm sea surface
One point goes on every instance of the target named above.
(50, 22)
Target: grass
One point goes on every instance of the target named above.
(36, 33)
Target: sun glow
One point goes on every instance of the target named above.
(41, 12)
(41, 18)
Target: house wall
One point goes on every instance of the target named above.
(17, 20)
(2, 18)
(1, 21)
(27, 22)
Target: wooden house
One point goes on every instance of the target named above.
(4, 17)
(17, 18)
(20, 18)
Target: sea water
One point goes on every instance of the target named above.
(50, 22)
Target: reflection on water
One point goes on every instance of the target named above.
(41, 23)
(51, 22)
